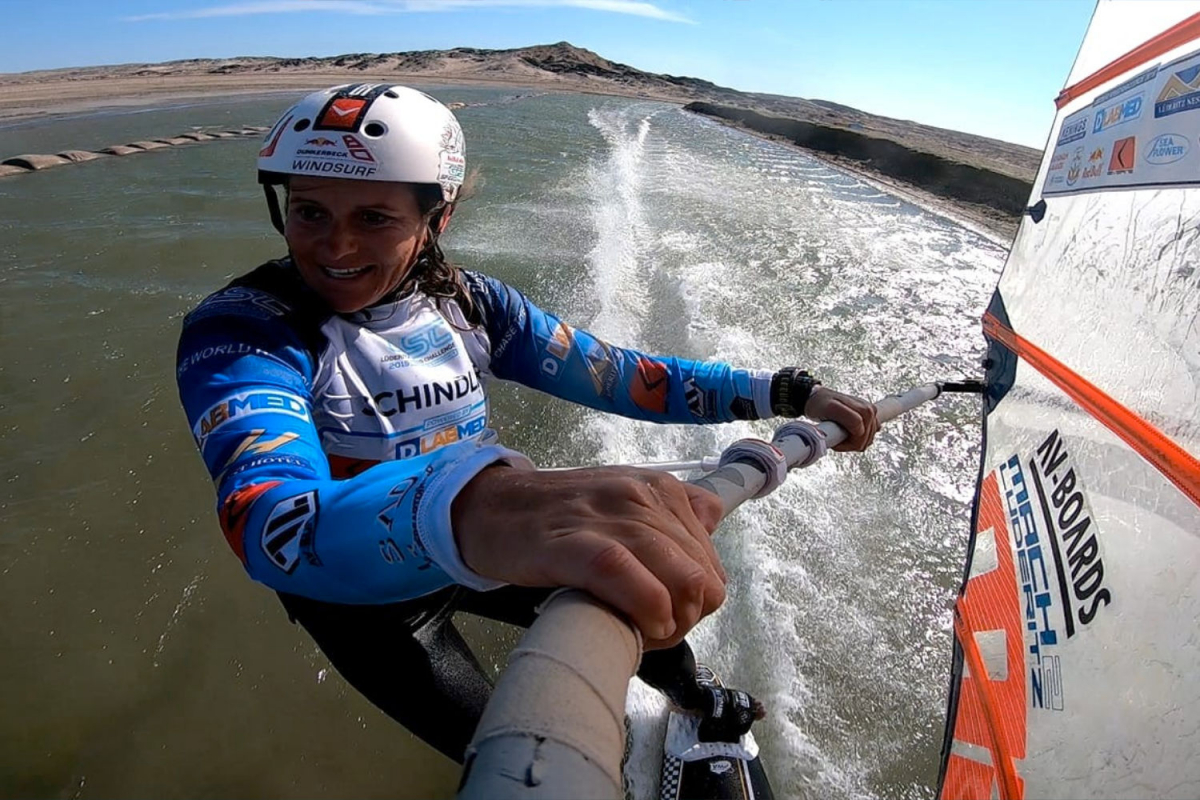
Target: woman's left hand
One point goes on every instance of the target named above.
(856, 416)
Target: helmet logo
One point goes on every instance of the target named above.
(273, 138)
(342, 114)
(356, 148)
(321, 141)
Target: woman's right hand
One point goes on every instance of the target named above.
(636, 539)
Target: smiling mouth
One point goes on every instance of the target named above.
(344, 274)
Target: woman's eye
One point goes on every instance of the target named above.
(375, 218)
(308, 213)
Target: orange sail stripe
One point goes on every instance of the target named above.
(1001, 754)
(1179, 34)
(992, 714)
(1172, 461)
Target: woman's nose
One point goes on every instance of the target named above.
(339, 241)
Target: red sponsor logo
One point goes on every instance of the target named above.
(321, 141)
(1123, 155)
(342, 114)
(650, 386)
(236, 512)
(269, 150)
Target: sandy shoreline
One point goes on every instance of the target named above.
(23, 101)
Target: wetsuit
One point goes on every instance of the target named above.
(337, 442)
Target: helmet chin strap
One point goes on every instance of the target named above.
(273, 207)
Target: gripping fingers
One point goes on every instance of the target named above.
(614, 575)
(681, 521)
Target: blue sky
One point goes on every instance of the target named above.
(990, 67)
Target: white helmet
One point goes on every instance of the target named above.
(370, 132)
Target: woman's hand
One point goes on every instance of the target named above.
(637, 539)
(857, 417)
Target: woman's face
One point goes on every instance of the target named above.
(353, 241)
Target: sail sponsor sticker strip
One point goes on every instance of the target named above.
(1175, 463)
(1140, 133)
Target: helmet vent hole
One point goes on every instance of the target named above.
(375, 129)
(301, 125)
(392, 94)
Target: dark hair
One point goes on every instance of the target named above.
(433, 273)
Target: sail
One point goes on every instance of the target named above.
(1077, 658)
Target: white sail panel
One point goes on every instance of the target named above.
(1089, 496)
(1118, 26)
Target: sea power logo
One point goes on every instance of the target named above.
(1167, 149)
(1118, 113)
(248, 404)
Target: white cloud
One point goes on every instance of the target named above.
(631, 7)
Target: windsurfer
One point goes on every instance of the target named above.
(337, 396)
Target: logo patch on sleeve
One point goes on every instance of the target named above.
(288, 531)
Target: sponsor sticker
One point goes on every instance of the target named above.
(312, 165)
(272, 140)
(1124, 155)
(1095, 164)
(452, 166)
(1167, 149)
(1072, 130)
(1118, 113)
(1180, 92)
(1056, 174)
(1132, 83)
(1076, 167)
(356, 148)
(342, 114)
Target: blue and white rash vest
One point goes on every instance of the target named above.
(337, 442)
